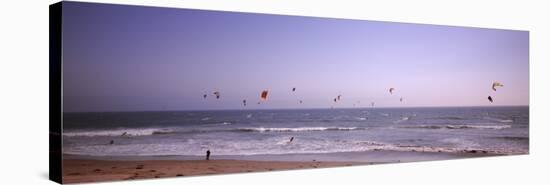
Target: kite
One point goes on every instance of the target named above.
(263, 95)
(338, 97)
(293, 89)
(391, 90)
(490, 99)
(496, 84)
(204, 96)
(244, 103)
(401, 99)
(217, 94)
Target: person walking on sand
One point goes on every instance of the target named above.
(207, 155)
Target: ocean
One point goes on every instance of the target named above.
(493, 130)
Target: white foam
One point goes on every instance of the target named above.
(496, 127)
(275, 145)
(298, 129)
(499, 120)
(404, 118)
(118, 132)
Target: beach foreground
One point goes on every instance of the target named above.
(82, 170)
(78, 169)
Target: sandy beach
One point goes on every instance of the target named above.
(83, 170)
(78, 169)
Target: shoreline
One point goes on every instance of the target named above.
(384, 156)
(79, 168)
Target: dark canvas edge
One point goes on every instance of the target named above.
(55, 93)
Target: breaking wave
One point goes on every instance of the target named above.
(496, 127)
(499, 120)
(119, 132)
(299, 129)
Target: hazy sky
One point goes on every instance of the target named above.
(126, 58)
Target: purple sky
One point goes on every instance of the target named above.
(129, 58)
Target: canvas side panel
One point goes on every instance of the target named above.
(55, 153)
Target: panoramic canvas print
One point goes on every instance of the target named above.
(150, 92)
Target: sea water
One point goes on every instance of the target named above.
(499, 130)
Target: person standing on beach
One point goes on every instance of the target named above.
(207, 155)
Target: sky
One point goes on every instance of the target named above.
(132, 58)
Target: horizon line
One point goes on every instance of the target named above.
(389, 107)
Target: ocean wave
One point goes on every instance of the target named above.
(468, 147)
(119, 132)
(499, 120)
(279, 145)
(298, 129)
(516, 138)
(450, 118)
(496, 127)
(404, 118)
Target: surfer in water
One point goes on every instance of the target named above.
(291, 139)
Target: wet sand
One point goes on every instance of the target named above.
(84, 170)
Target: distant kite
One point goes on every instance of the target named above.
(496, 84)
(490, 99)
(300, 101)
(204, 96)
(293, 89)
(244, 103)
(339, 97)
(263, 95)
(372, 104)
(401, 99)
(217, 93)
(391, 90)
(334, 99)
